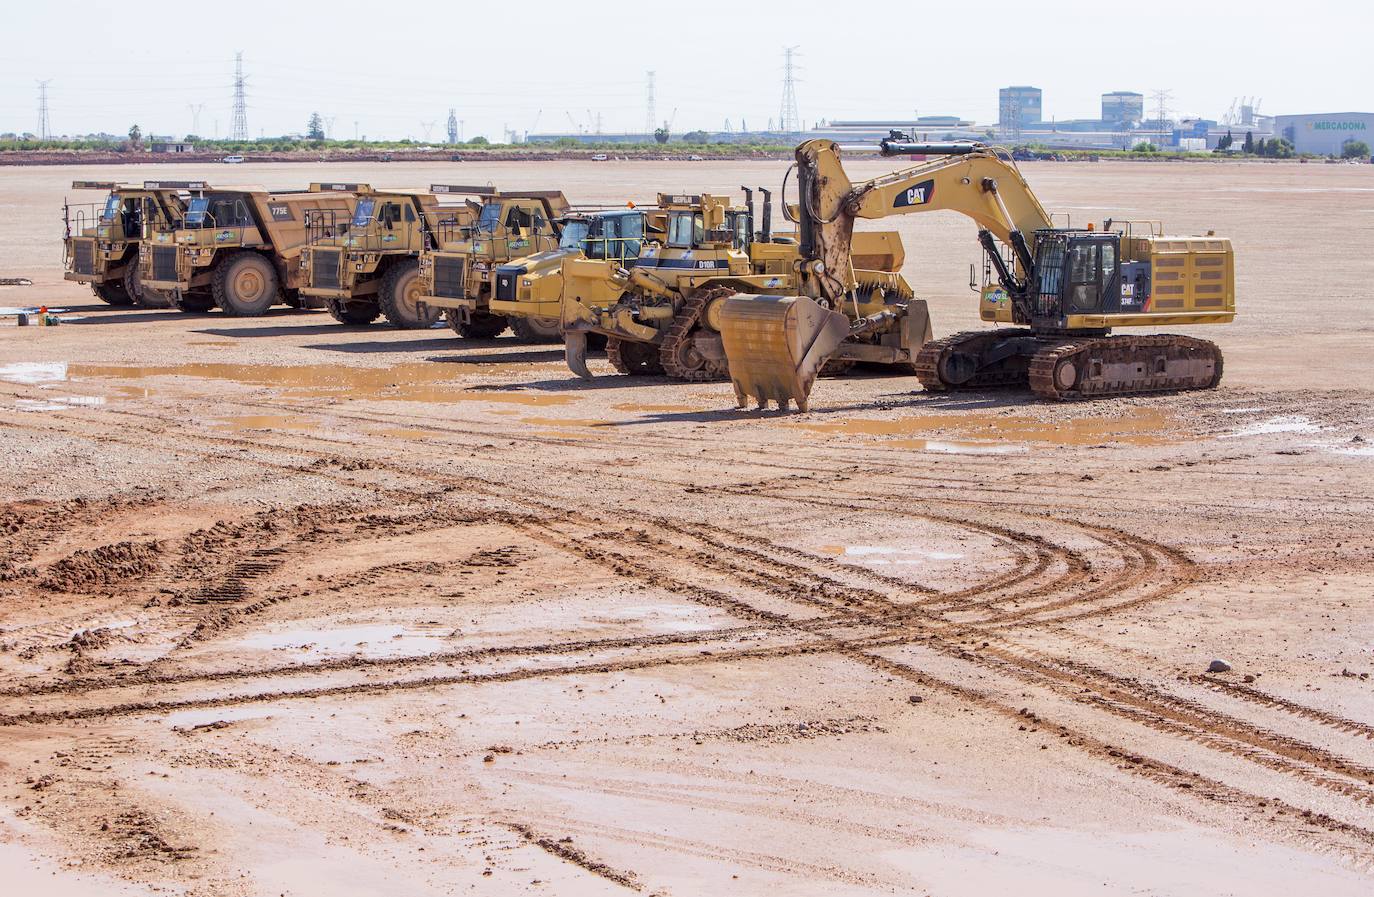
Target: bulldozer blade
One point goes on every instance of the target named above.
(575, 353)
(776, 345)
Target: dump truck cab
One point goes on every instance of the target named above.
(101, 240)
(528, 291)
(457, 277)
(368, 265)
(239, 247)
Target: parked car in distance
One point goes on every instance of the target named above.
(232, 160)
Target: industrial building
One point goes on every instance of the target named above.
(1123, 108)
(1325, 134)
(1019, 107)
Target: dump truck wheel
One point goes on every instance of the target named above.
(246, 285)
(481, 325)
(198, 302)
(536, 330)
(400, 295)
(111, 293)
(144, 296)
(353, 312)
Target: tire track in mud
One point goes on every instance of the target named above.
(1265, 699)
(1086, 685)
(836, 590)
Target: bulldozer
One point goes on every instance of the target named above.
(661, 316)
(239, 247)
(1064, 289)
(101, 240)
(456, 277)
(370, 265)
(528, 291)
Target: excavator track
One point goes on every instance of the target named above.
(679, 359)
(930, 362)
(633, 358)
(1124, 365)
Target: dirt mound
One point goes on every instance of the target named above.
(102, 566)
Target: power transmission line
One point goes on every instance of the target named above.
(790, 119)
(650, 113)
(44, 131)
(239, 130)
(453, 126)
(1161, 98)
(195, 117)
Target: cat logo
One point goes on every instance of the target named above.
(919, 195)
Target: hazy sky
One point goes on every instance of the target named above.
(390, 67)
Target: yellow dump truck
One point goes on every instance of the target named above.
(370, 265)
(101, 240)
(239, 247)
(457, 276)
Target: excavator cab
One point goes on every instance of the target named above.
(1077, 273)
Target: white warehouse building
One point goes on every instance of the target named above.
(1325, 134)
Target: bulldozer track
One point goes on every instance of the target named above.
(1046, 383)
(677, 340)
(929, 360)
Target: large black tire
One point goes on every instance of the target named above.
(536, 330)
(112, 293)
(144, 296)
(245, 285)
(481, 325)
(356, 313)
(400, 294)
(198, 302)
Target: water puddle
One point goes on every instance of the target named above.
(1293, 423)
(34, 373)
(985, 433)
(428, 382)
(266, 422)
(58, 403)
(564, 434)
(958, 448)
(663, 617)
(404, 433)
(368, 640)
(564, 422)
(656, 409)
(886, 555)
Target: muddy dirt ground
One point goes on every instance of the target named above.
(292, 608)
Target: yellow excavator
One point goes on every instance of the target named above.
(1065, 289)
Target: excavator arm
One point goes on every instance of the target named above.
(776, 346)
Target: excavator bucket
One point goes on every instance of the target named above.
(776, 345)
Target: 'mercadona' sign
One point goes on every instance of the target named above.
(1337, 126)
